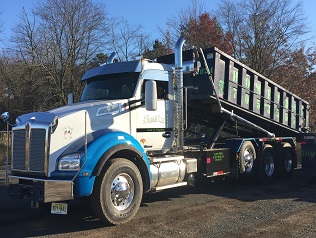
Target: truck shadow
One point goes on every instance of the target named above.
(247, 191)
(18, 219)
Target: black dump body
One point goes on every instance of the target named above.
(242, 91)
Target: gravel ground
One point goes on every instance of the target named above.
(222, 209)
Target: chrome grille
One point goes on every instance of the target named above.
(28, 152)
(18, 150)
(37, 149)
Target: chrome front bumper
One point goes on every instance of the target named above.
(40, 190)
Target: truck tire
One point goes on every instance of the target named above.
(266, 168)
(117, 192)
(247, 157)
(286, 162)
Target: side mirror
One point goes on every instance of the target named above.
(70, 98)
(151, 95)
(5, 117)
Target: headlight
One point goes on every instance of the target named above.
(69, 163)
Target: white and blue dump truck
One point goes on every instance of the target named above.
(148, 125)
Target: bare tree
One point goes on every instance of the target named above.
(1, 27)
(126, 40)
(61, 38)
(22, 91)
(183, 18)
(264, 31)
(19, 93)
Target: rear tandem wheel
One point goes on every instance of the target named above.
(247, 157)
(287, 161)
(266, 168)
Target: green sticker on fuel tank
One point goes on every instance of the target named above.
(218, 156)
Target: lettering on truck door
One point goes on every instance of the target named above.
(154, 128)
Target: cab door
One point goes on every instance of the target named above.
(154, 129)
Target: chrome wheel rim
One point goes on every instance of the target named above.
(248, 159)
(122, 191)
(269, 164)
(288, 162)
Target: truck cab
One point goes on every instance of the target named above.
(152, 128)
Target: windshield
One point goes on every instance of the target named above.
(112, 86)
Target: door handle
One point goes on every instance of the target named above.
(166, 134)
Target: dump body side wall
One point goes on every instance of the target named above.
(246, 93)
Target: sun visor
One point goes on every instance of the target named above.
(121, 67)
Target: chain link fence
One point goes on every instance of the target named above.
(5, 145)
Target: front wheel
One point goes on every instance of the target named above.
(117, 192)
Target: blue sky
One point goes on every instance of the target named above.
(148, 13)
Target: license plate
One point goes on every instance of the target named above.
(59, 208)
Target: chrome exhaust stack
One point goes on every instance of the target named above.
(179, 93)
(111, 58)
